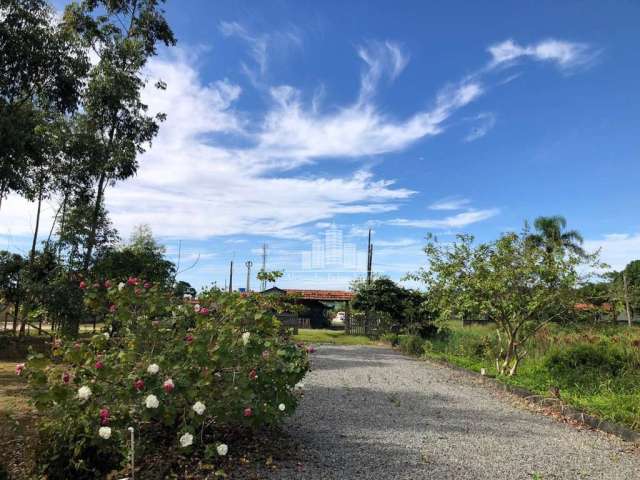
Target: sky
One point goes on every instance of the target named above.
(289, 118)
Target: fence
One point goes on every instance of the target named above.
(294, 322)
(362, 324)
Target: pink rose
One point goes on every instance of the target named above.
(107, 284)
(168, 385)
(66, 377)
(188, 338)
(99, 365)
(133, 281)
(19, 368)
(247, 412)
(147, 285)
(113, 308)
(104, 416)
(253, 374)
(83, 285)
(138, 384)
(311, 349)
(203, 311)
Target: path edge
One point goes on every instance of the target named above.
(554, 404)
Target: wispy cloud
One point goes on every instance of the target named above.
(566, 55)
(459, 220)
(617, 249)
(483, 122)
(381, 58)
(450, 203)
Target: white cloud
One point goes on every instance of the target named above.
(454, 221)
(450, 203)
(617, 249)
(563, 53)
(396, 243)
(483, 123)
(381, 58)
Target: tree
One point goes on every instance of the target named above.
(43, 67)
(11, 288)
(518, 287)
(183, 288)
(269, 276)
(551, 235)
(143, 257)
(114, 121)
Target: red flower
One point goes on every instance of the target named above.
(203, 311)
(99, 365)
(19, 368)
(138, 384)
(107, 284)
(113, 308)
(133, 281)
(83, 285)
(147, 285)
(247, 412)
(253, 374)
(311, 349)
(66, 377)
(188, 338)
(104, 416)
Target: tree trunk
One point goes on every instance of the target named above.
(626, 297)
(94, 223)
(62, 217)
(35, 233)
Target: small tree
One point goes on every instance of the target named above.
(509, 281)
(269, 276)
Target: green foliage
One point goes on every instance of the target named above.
(225, 352)
(550, 235)
(518, 286)
(269, 276)
(411, 344)
(405, 308)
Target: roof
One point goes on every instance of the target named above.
(607, 307)
(326, 295)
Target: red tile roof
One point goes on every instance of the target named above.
(326, 295)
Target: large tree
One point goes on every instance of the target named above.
(42, 67)
(518, 287)
(115, 122)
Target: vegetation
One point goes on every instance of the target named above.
(334, 337)
(189, 378)
(592, 367)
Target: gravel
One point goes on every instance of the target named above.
(372, 413)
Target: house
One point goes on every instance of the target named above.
(316, 303)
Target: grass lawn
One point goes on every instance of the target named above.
(334, 337)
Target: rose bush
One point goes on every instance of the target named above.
(178, 373)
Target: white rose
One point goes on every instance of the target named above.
(186, 440)
(282, 407)
(105, 432)
(199, 408)
(153, 368)
(299, 386)
(196, 307)
(120, 286)
(84, 393)
(151, 402)
(222, 449)
(106, 335)
(245, 337)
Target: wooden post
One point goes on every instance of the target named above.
(626, 297)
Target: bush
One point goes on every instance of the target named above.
(411, 344)
(391, 338)
(179, 374)
(588, 366)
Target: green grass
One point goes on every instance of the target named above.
(609, 394)
(333, 337)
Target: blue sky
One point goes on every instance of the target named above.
(443, 117)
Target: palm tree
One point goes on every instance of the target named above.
(552, 236)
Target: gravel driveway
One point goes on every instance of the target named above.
(372, 413)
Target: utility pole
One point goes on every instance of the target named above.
(626, 296)
(263, 284)
(369, 259)
(231, 277)
(248, 264)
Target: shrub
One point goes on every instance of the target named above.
(587, 365)
(391, 338)
(179, 374)
(411, 344)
